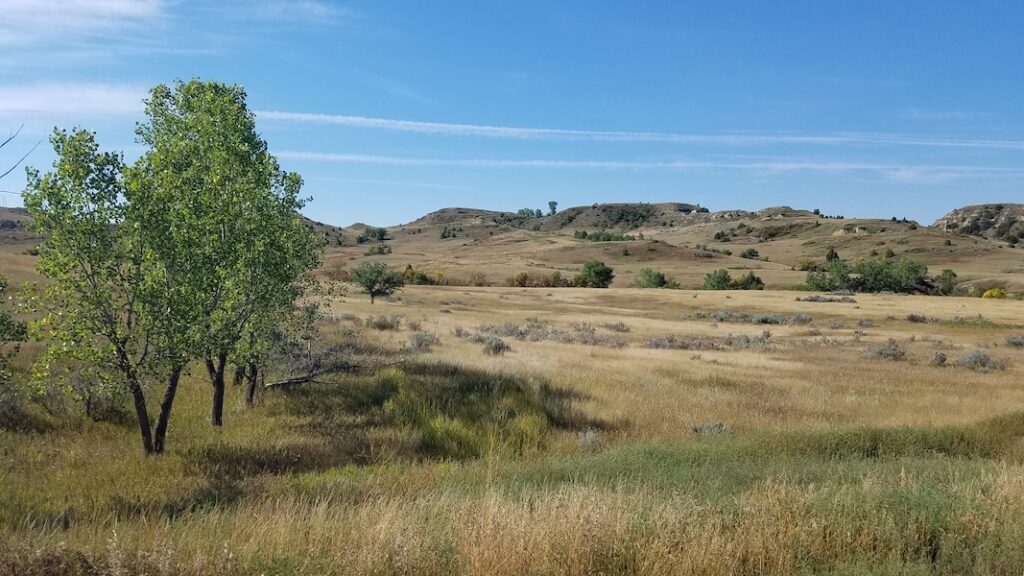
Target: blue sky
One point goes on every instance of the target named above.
(393, 109)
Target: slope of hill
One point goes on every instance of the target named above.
(682, 240)
(998, 221)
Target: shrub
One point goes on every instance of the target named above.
(617, 327)
(416, 277)
(494, 346)
(595, 274)
(917, 318)
(718, 280)
(945, 282)
(748, 282)
(1016, 340)
(889, 351)
(663, 343)
(750, 254)
(649, 278)
(979, 361)
(901, 276)
(384, 322)
(994, 293)
(822, 298)
(835, 275)
(800, 319)
(378, 250)
(538, 280)
(938, 359)
(422, 341)
(589, 441)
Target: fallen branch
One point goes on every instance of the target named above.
(311, 377)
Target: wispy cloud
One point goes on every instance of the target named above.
(306, 11)
(935, 115)
(27, 23)
(72, 99)
(726, 138)
(896, 172)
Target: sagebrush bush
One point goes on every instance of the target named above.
(888, 351)
(938, 359)
(1015, 340)
(384, 322)
(494, 346)
(617, 327)
(979, 361)
(422, 340)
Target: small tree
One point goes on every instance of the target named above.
(377, 279)
(750, 254)
(945, 282)
(649, 278)
(835, 275)
(595, 274)
(221, 216)
(110, 305)
(748, 282)
(831, 255)
(552, 208)
(718, 280)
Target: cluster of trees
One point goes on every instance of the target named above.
(594, 274)
(195, 252)
(372, 234)
(878, 275)
(453, 232)
(721, 280)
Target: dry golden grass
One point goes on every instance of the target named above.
(836, 463)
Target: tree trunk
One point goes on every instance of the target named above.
(250, 389)
(160, 435)
(239, 376)
(372, 297)
(139, 399)
(216, 370)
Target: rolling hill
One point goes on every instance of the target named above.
(683, 240)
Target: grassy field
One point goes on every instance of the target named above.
(625, 432)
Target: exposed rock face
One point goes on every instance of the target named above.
(998, 221)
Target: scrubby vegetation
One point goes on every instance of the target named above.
(649, 278)
(721, 280)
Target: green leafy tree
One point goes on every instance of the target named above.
(881, 275)
(109, 305)
(552, 208)
(377, 279)
(834, 275)
(945, 282)
(221, 217)
(749, 281)
(595, 274)
(650, 278)
(718, 280)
